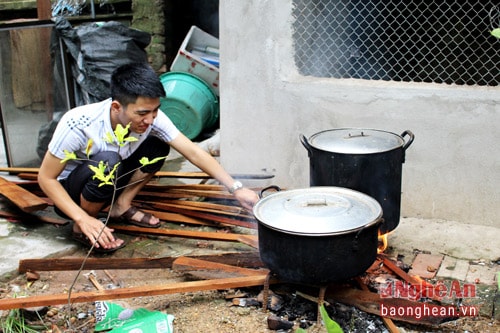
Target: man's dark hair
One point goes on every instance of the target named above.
(130, 81)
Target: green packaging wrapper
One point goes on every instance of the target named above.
(117, 319)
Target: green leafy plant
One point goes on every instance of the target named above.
(103, 173)
(331, 325)
(15, 322)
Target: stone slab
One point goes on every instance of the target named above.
(452, 268)
(482, 274)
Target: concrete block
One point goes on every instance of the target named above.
(452, 268)
(482, 274)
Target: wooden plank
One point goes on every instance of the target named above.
(188, 193)
(44, 11)
(25, 200)
(92, 278)
(249, 259)
(158, 196)
(165, 174)
(27, 176)
(420, 285)
(153, 186)
(190, 206)
(14, 170)
(142, 291)
(206, 216)
(213, 269)
(250, 240)
(216, 236)
(179, 218)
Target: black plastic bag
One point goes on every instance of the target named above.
(96, 50)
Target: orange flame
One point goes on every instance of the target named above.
(382, 241)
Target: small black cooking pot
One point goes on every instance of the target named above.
(365, 160)
(318, 235)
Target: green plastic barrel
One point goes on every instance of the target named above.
(190, 103)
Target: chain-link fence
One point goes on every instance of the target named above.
(412, 41)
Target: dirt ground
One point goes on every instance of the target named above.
(207, 311)
(203, 311)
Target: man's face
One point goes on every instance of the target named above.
(140, 114)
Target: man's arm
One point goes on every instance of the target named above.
(211, 166)
(50, 169)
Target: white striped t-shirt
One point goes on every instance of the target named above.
(93, 121)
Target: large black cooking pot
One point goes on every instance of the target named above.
(365, 160)
(318, 235)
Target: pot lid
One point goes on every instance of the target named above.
(356, 141)
(318, 211)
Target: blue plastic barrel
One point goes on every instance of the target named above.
(190, 103)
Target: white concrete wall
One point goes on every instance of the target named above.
(452, 169)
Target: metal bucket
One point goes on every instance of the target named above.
(190, 103)
(365, 160)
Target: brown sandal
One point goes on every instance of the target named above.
(144, 222)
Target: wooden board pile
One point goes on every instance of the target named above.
(183, 204)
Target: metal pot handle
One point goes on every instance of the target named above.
(408, 143)
(270, 187)
(306, 144)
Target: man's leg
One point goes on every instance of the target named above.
(84, 190)
(130, 186)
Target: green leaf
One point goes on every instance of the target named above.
(121, 134)
(109, 138)
(130, 139)
(331, 326)
(300, 330)
(88, 150)
(496, 32)
(68, 156)
(145, 161)
(100, 173)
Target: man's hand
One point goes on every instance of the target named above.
(92, 228)
(246, 197)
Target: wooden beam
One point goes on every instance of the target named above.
(43, 9)
(216, 236)
(420, 285)
(164, 174)
(142, 291)
(178, 218)
(189, 211)
(202, 268)
(249, 259)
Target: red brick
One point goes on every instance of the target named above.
(426, 265)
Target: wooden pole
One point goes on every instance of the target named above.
(43, 9)
(105, 295)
